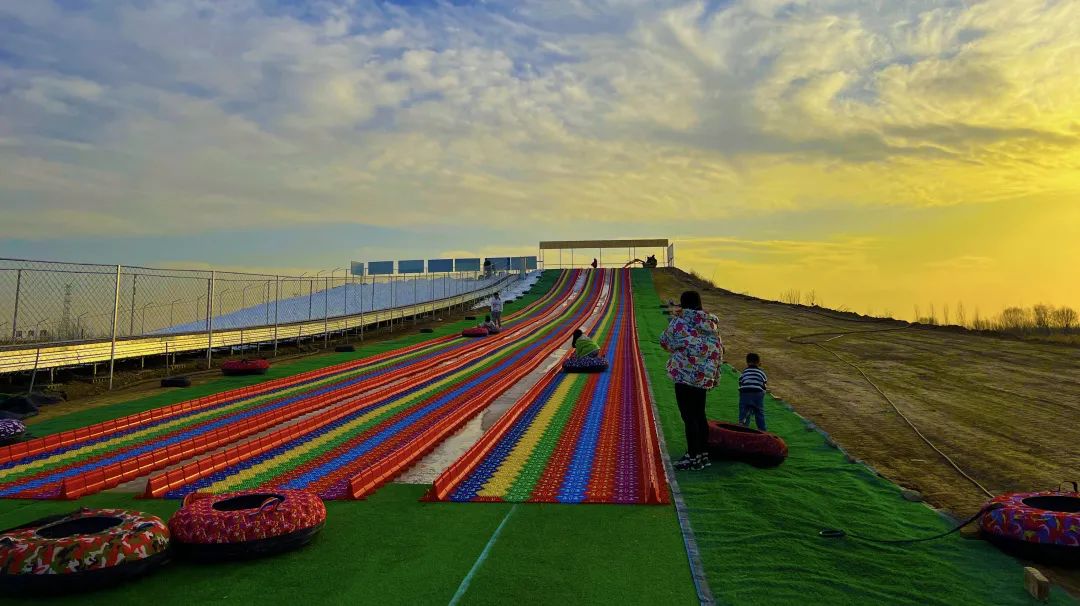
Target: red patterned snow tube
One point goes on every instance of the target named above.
(759, 448)
(246, 524)
(1040, 525)
(236, 368)
(84, 550)
(475, 331)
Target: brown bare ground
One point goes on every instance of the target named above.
(1007, 411)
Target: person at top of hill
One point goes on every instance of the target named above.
(650, 261)
(752, 384)
(594, 263)
(489, 325)
(584, 346)
(693, 339)
(496, 309)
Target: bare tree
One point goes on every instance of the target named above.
(1014, 318)
(960, 319)
(933, 315)
(977, 322)
(792, 296)
(917, 314)
(1064, 318)
(1042, 313)
(945, 314)
(811, 298)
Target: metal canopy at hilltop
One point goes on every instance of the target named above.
(630, 246)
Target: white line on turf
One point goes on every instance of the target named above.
(480, 560)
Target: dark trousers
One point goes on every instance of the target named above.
(691, 402)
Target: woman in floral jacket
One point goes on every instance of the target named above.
(693, 339)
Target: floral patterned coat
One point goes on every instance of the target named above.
(693, 339)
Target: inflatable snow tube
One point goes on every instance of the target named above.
(345, 348)
(1042, 526)
(246, 524)
(176, 382)
(11, 430)
(84, 550)
(475, 331)
(427, 331)
(585, 364)
(235, 368)
(759, 448)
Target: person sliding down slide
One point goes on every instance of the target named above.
(584, 346)
(489, 325)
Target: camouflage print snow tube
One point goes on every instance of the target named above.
(11, 430)
(585, 364)
(83, 550)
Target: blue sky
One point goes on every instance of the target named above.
(782, 143)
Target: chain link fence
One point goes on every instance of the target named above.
(46, 302)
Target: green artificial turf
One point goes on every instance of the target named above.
(394, 549)
(757, 528)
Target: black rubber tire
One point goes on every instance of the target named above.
(176, 382)
(427, 330)
(345, 348)
(470, 317)
(219, 552)
(78, 582)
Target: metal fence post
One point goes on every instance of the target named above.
(326, 313)
(392, 303)
(131, 323)
(210, 318)
(115, 319)
(363, 280)
(277, 300)
(15, 318)
(346, 284)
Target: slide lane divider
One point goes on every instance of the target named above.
(607, 450)
(183, 443)
(368, 448)
(71, 437)
(496, 444)
(196, 471)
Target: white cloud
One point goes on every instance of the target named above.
(190, 115)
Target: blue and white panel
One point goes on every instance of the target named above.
(410, 266)
(499, 263)
(380, 268)
(440, 266)
(467, 264)
(356, 268)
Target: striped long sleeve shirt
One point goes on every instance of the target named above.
(752, 379)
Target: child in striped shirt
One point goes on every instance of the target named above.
(752, 383)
